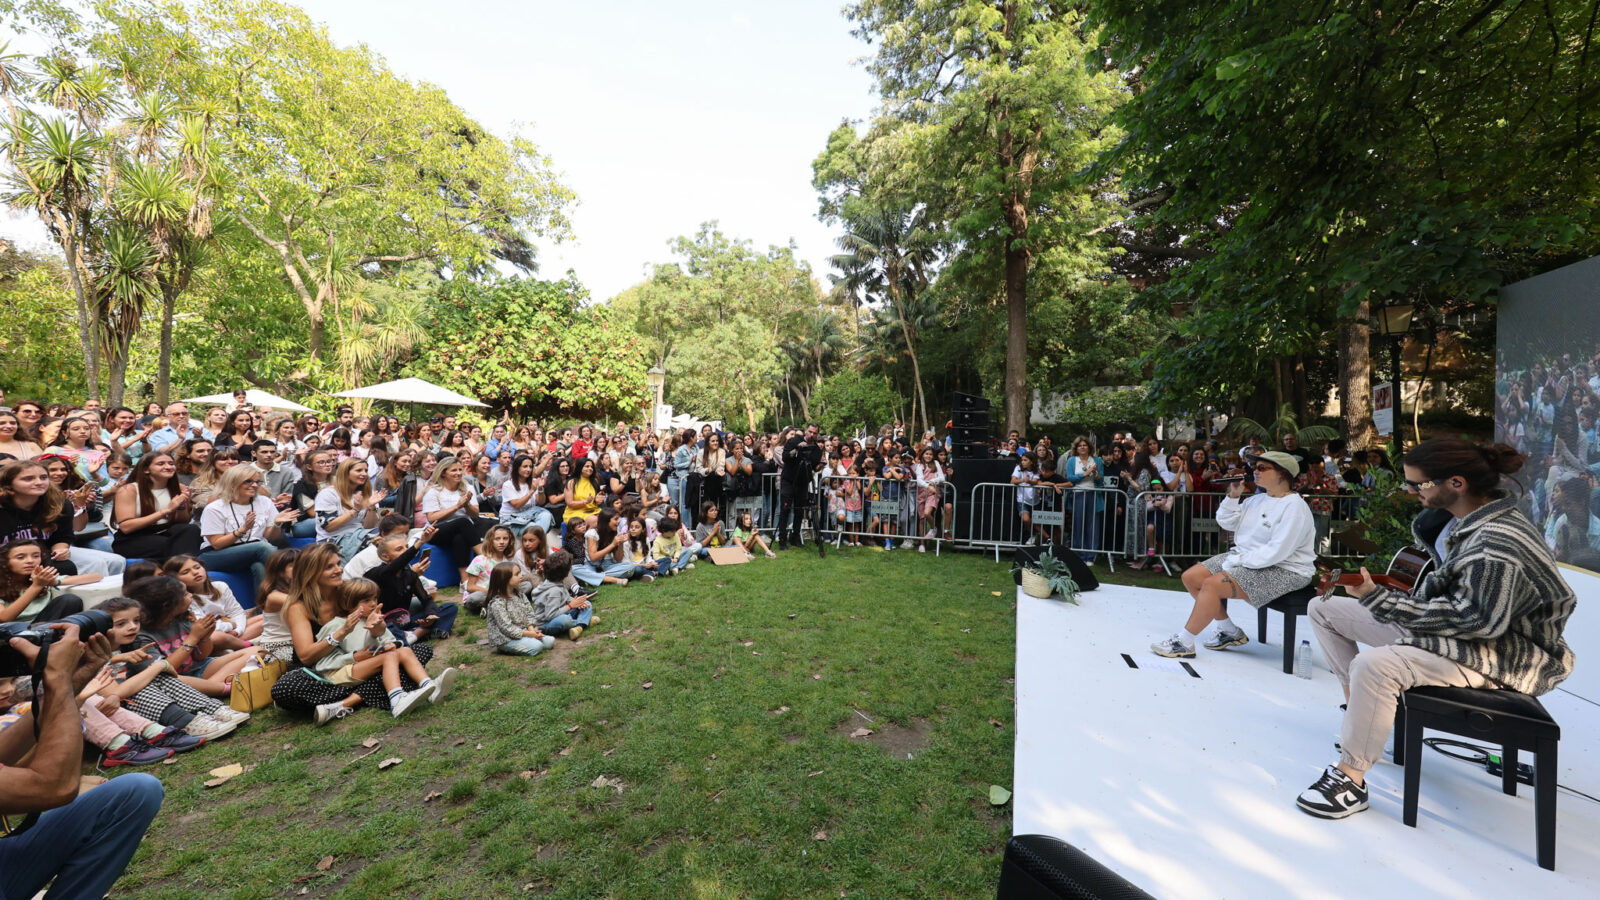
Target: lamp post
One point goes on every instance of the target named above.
(656, 377)
(1393, 322)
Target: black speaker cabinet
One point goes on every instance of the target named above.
(972, 450)
(971, 418)
(970, 434)
(992, 511)
(970, 401)
(1040, 867)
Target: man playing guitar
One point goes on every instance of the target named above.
(1490, 615)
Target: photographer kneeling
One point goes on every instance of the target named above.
(83, 842)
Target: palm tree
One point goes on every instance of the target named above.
(1286, 423)
(813, 354)
(887, 258)
(125, 286)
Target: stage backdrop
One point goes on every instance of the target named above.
(1547, 398)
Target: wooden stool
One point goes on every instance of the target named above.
(1512, 720)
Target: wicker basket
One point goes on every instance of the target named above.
(1035, 585)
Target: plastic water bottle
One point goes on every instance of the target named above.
(1302, 660)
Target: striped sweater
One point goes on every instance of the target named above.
(1498, 605)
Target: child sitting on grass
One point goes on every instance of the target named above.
(235, 630)
(511, 623)
(369, 649)
(555, 610)
(149, 682)
(746, 536)
(498, 546)
(668, 551)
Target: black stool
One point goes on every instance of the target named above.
(1512, 720)
(1292, 605)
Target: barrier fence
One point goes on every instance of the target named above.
(1083, 519)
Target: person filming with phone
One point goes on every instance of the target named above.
(49, 832)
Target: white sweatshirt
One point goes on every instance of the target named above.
(1270, 531)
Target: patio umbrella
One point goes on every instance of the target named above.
(255, 397)
(412, 391)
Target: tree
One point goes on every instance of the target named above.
(1355, 155)
(533, 348)
(728, 372)
(36, 308)
(888, 256)
(996, 115)
(850, 402)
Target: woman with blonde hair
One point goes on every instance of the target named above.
(346, 509)
(449, 506)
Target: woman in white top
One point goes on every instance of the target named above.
(448, 504)
(521, 503)
(240, 526)
(347, 509)
(152, 512)
(1274, 539)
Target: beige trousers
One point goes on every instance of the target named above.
(1376, 677)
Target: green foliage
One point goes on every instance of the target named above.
(1386, 513)
(1286, 423)
(532, 347)
(36, 309)
(1054, 571)
(727, 373)
(1105, 410)
(851, 402)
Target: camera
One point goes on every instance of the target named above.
(90, 622)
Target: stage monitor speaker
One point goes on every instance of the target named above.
(1077, 568)
(971, 450)
(971, 401)
(970, 434)
(966, 418)
(1040, 867)
(996, 519)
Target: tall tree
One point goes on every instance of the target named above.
(999, 114)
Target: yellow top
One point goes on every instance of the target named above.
(585, 500)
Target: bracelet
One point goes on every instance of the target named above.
(329, 640)
(168, 664)
(189, 647)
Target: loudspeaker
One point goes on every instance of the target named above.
(978, 418)
(972, 450)
(970, 401)
(970, 434)
(1040, 867)
(1077, 568)
(986, 514)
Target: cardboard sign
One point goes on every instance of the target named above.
(729, 556)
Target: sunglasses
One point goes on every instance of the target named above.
(1415, 486)
(1263, 467)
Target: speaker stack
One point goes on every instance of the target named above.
(973, 462)
(969, 437)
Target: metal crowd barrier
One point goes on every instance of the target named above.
(1088, 520)
(886, 512)
(1182, 525)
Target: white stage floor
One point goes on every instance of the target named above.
(1186, 786)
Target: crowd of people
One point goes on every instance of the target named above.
(1550, 407)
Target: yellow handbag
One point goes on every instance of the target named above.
(252, 689)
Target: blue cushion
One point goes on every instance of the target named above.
(239, 584)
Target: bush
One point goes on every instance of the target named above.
(847, 402)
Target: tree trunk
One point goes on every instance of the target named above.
(86, 341)
(169, 301)
(1016, 383)
(116, 385)
(1355, 381)
(1299, 390)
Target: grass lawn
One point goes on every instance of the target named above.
(717, 707)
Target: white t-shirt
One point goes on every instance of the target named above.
(222, 517)
(328, 508)
(363, 562)
(508, 493)
(1025, 490)
(230, 615)
(437, 498)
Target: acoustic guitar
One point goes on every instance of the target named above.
(1406, 569)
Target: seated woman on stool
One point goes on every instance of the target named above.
(1273, 553)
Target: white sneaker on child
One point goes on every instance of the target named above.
(410, 699)
(442, 685)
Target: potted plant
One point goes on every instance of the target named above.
(1047, 576)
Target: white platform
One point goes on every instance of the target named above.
(1185, 786)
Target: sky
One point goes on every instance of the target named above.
(660, 115)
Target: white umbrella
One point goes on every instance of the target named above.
(255, 397)
(411, 390)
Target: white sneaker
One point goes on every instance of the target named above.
(410, 699)
(442, 685)
(689, 566)
(209, 728)
(329, 712)
(1173, 648)
(230, 715)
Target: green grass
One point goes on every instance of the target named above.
(723, 792)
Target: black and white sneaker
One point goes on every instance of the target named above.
(1224, 639)
(1334, 796)
(1173, 648)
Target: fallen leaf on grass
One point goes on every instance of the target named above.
(814, 774)
(480, 746)
(998, 795)
(996, 723)
(325, 864)
(603, 781)
(792, 615)
(648, 685)
(287, 747)
(222, 774)
(572, 729)
(781, 710)
(371, 742)
(861, 732)
(820, 836)
(966, 631)
(997, 593)
(431, 796)
(459, 742)
(526, 774)
(390, 762)
(565, 751)
(817, 677)
(749, 643)
(171, 760)
(609, 751)
(605, 687)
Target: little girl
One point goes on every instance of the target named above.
(511, 625)
(851, 489)
(369, 649)
(183, 640)
(636, 550)
(150, 684)
(710, 532)
(746, 536)
(30, 591)
(275, 642)
(498, 546)
(206, 597)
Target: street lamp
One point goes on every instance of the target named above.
(1393, 322)
(656, 377)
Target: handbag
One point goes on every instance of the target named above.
(252, 688)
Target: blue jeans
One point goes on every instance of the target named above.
(97, 558)
(84, 845)
(593, 577)
(304, 528)
(688, 555)
(540, 517)
(240, 559)
(528, 646)
(563, 623)
(675, 495)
